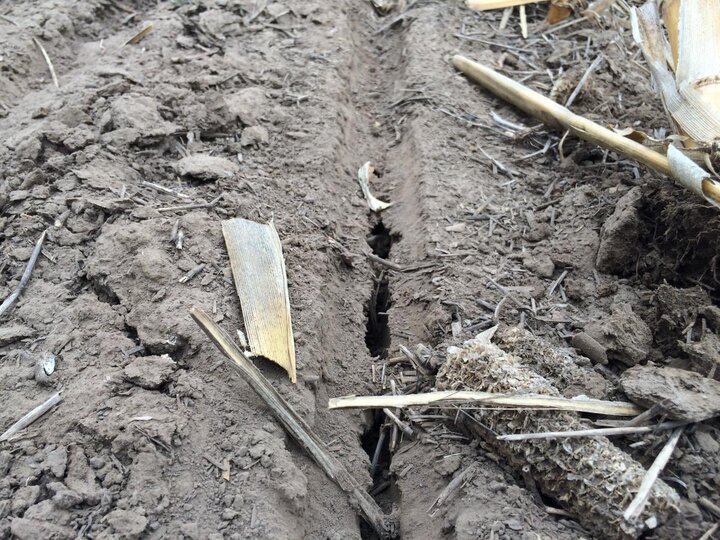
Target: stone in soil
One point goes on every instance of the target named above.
(541, 265)
(34, 529)
(247, 105)
(206, 168)
(56, 462)
(127, 524)
(150, 372)
(254, 135)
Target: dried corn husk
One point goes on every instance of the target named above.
(365, 173)
(561, 9)
(685, 66)
(258, 267)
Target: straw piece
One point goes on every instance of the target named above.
(140, 35)
(31, 417)
(600, 432)
(693, 177)
(594, 406)
(484, 5)
(48, 62)
(638, 503)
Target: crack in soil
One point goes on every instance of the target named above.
(377, 336)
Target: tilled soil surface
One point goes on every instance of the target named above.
(227, 110)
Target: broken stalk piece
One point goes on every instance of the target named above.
(10, 300)
(557, 116)
(30, 417)
(385, 525)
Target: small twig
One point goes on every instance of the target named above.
(7, 19)
(402, 425)
(213, 461)
(710, 532)
(638, 503)
(164, 189)
(10, 300)
(30, 417)
(389, 264)
(395, 20)
(139, 36)
(192, 273)
(449, 491)
(583, 80)
(554, 284)
(523, 22)
(709, 506)
(378, 451)
(48, 62)
(466, 397)
(507, 293)
(601, 432)
(414, 360)
(648, 415)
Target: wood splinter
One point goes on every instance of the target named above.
(385, 525)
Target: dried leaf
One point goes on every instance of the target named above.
(692, 97)
(659, 145)
(557, 13)
(258, 268)
(365, 173)
(384, 7)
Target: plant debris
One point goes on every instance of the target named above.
(258, 267)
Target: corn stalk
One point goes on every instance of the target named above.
(685, 65)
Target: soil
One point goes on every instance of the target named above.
(268, 114)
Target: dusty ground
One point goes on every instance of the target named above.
(296, 98)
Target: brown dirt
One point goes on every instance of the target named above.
(274, 116)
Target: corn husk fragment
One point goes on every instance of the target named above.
(685, 65)
(258, 269)
(365, 173)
